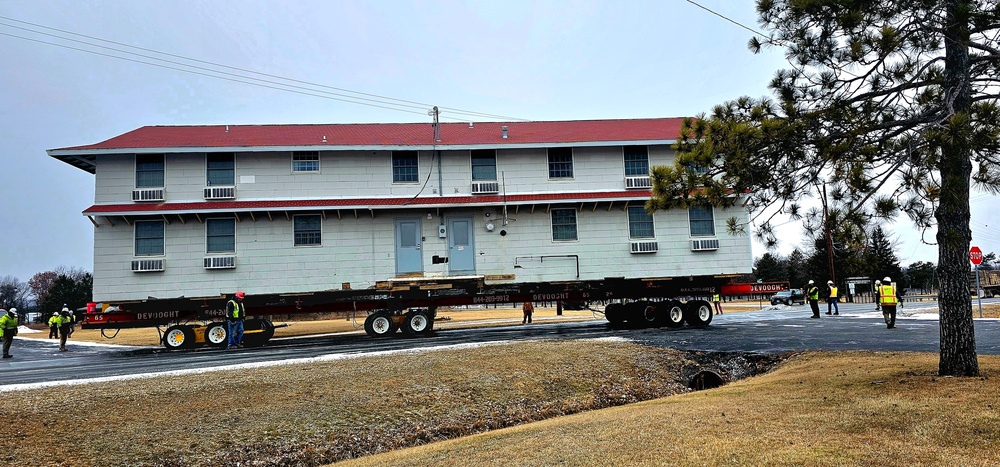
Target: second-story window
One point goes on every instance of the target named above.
(404, 167)
(308, 230)
(564, 224)
(221, 169)
(221, 235)
(305, 161)
(702, 221)
(560, 162)
(149, 171)
(636, 161)
(484, 164)
(640, 223)
(149, 238)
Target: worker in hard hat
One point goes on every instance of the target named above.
(54, 324)
(832, 299)
(889, 298)
(8, 329)
(878, 300)
(235, 314)
(812, 292)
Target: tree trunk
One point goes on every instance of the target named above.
(958, 337)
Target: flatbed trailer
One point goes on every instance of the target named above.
(410, 305)
(988, 281)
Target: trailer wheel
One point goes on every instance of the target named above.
(615, 314)
(416, 322)
(178, 337)
(379, 324)
(217, 334)
(257, 332)
(641, 314)
(699, 313)
(674, 317)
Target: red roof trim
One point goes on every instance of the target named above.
(391, 134)
(358, 203)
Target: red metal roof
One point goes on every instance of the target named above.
(360, 203)
(392, 134)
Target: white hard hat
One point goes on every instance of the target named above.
(65, 309)
(878, 281)
(886, 279)
(829, 282)
(55, 314)
(810, 281)
(12, 310)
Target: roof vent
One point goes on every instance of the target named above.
(324, 139)
(470, 124)
(504, 128)
(227, 128)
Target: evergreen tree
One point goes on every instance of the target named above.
(882, 261)
(770, 268)
(920, 276)
(796, 267)
(890, 102)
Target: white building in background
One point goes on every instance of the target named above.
(199, 211)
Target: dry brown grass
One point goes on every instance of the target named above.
(321, 412)
(850, 408)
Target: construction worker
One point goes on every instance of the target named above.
(813, 293)
(717, 300)
(528, 310)
(64, 329)
(8, 329)
(72, 321)
(832, 299)
(235, 314)
(889, 298)
(54, 324)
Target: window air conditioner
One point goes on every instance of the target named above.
(479, 188)
(645, 246)
(705, 245)
(147, 194)
(220, 192)
(147, 265)
(220, 262)
(638, 182)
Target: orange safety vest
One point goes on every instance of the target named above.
(887, 295)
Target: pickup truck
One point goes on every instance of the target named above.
(789, 297)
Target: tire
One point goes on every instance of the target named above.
(262, 332)
(641, 314)
(615, 314)
(674, 317)
(178, 337)
(416, 322)
(380, 324)
(699, 313)
(217, 335)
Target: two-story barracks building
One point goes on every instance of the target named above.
(199, 211)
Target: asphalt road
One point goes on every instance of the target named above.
(859, 327)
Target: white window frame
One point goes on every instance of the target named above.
(135, 239)
(229, 252)
(691, 231)
(576, 225)
(392, 167)
(304, 154)
(548, 164)
(652, 223)
(496, 170)
(135, 171)
(625, 165)
(294, 233)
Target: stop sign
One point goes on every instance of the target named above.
(975, 255)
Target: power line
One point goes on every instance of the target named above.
(728, 19)
(379, 99)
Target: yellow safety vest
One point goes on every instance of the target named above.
(887, 295)
(715, 298)
(813, 293)
(833, 292)
(7, 322)
(238, 311)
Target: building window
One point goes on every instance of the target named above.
(404, 167)
(308, 230)
(560, 163)
(149, 238)
(640, 223)
(305, 161)
(636, 161)
(149, 171)
(221, 169)
(563, 224)
(221, 235)
(484, 164)
(702, 223)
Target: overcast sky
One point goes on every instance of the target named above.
(562, 60)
